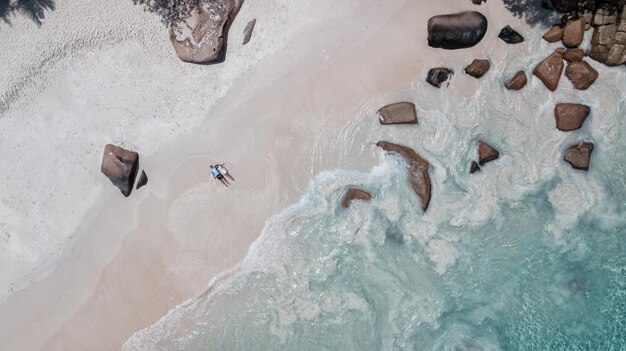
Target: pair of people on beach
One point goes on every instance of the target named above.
(220, 172)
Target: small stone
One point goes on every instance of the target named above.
(574, 32)
(486, 153)
(581, 74)
(510, 36)
(398, 113)
(570, 116)
(578, 155)
(354, 194)
(474, 167)
(573, 55)
(247, 32)
(477, 68)
(554, 34)
(518, 81)
(438, 75)
(143, 180)
(549, 70)
(120, 166)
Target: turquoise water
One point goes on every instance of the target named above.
(383, 276)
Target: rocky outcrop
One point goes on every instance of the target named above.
(477, 68)
(581, 74)
(554, 34)
(510, 36)
(608, 43)
(354, 194)
(207, 42)
(578, 155)
(573, 55)
(474, 167)
(486, 153)
(570, 116)
(574, 32)
(398, 113)
(549, 70)
(518, 81)
(143, 180)
(456, 31)
(418, 170)
(120, 166)
(247, 32)
(437, 76)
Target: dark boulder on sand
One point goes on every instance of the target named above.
(478, 68)
(207, 43)
(247, 32)
(518, 81)
(549, 70)
(354, 194)
(437, 76)
(581, 74)
(510, 36)
(570, 116)
(456, 31)
(418, 170)
(398, 113)
(578, 155)
(573, 55)
(554, 34)
(574, 32)
(143, 180)
(120, 166)
(474, 167)
(486, 153)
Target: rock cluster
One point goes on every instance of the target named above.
(120, 166)
(456, 31)
(354, 194)
(608, 43)
(418, 170)
(398, 113)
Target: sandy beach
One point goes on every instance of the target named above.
(88, 268)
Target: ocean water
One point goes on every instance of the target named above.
(528, 254)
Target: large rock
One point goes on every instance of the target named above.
(549, 70)
(208, 39)
(518, 81)
(418, 170)
(456, 31)
(143, 180)
(581, 74)
(573, 55)
(120, 166)
(247, 32)
(477, 68)
(354, 194)
(570, 116)
(574, 32)
(578, 155)
(486, 153)
(554, 34)
(510, 36)
(437, 76)
(398, 113)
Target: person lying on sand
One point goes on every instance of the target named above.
(224, 171)
(217, 175)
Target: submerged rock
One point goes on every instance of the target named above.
(398, 113)
(570, 116)
(418, 170)
(120, 166)
(477, 68)
(573, 55)
(574, 32)
(143, 180)
(354, 194)
(474, 167)
(510, 36)
(486, 153)
(207, 43)
(554, 34)
(437, 76)
(549, 70)
(581, 74)
(456, 31)
(578, 155)
(518, 81)
(247, 32)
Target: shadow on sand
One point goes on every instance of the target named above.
(34, 9)
(534, 12)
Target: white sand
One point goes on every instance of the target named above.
(97, 267)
